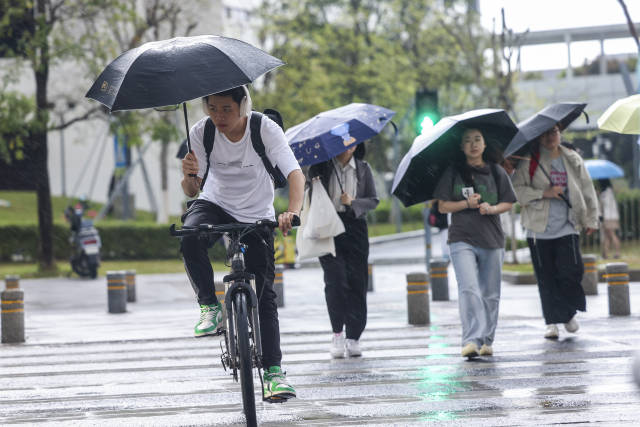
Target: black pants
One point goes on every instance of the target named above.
(258, 260)
(559, 270)
(345, 278)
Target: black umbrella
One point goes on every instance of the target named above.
(431, 153)
(170, 72)
(562, 114)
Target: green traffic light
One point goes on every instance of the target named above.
(426, 124)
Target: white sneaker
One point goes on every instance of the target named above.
(337, 346)
(551, 332)
(572, 325)
(353, 348)
(470, 350)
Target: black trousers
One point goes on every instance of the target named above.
(259, 260)
(345, 278)
(559, 270)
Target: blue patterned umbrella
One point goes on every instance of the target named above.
(332, 132)
(601, 169)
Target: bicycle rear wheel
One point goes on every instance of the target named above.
(244, 354)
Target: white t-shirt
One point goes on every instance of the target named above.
(238, 182)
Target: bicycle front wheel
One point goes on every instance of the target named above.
(244, 354)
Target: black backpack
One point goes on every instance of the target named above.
(278, 178)
(437, 219)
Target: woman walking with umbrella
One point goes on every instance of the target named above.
(558, 200)
(476, 191)
(349, 183)
(332, 142)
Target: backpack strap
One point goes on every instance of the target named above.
(256, 140)
(208, 139)
(496, 177)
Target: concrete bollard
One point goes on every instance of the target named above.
(116, 292)
(418, 298)
(12, 311)
(220, 295)
(130, 279)
(369, 277)
(12, 281)
(439, 280)
(278, 285)
(617, 274)
(590, 278)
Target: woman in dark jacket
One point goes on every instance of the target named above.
(349, 183)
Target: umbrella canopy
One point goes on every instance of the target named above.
(332, 132)
(530, 129)
(601, 169)
(623, 116)
(169, 72)
(431, 153)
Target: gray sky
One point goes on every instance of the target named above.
(537, 15)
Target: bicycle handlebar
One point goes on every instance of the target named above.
(226, 228)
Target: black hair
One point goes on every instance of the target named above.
(236, 94)
(604, 183)
(489, 155)
(360, 151)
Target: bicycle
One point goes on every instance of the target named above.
(243, 343)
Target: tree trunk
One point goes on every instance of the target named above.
(45, 217)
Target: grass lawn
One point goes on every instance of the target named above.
(630, 253)
(383, 228)
(23, 209)
(30, 270)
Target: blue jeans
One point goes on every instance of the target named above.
(478, 272)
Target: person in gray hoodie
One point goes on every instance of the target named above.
(558, 201)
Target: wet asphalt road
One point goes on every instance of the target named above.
(82, 366)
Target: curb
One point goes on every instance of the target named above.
(517, 278)
(396, 236)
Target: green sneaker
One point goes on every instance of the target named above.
(276, 386)
(210, 320)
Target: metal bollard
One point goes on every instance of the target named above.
(369, 277)
(116, 292)
(220, 290)
(590, 278)
(130, 279)
(12, 308)
(418, 298)
(278, 285)
(617, 274)
(439, 280)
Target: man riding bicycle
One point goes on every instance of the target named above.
(239, 188)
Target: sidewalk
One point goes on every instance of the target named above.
(83, 366)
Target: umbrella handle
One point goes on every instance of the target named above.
(186, 125)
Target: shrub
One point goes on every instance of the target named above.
(144, 241)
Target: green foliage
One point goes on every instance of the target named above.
(373, 51)
(133, 241)
(16, 113)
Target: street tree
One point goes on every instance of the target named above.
(38, 35)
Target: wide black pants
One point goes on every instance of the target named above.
(345, 278)
(559, 270)
(259, 260)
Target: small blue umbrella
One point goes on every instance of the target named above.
(601, 169)
(332, 132)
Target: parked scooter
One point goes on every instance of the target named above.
(85, 242)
